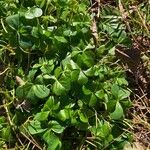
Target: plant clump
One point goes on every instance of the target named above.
(61, 84)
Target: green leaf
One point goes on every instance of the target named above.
(83, 116)
(63, 114)
(107, 27)
(115, 90)
(88, 58)
(119, 92)
(118, 113)
(60, 39)
(33, 12)
(123, 94)
(13, 21)
(32, 74)
(100, 51)
(58, 72)
(40, 3)
(35, 66)
(20, 92)
(111, 105)
(82, 79)
(2, 120)
(105, 129)
(58, 88)
(86, 91)
(119, 36)
(80, 103)
(90, 72)
(35, 127)
(121, 81)
(35, 32)
(51, 104)
(75, 75)
(47, 66)
(69, 33)
(26, 91)
(6, 134)
(39, 79)
(41, 91)
(102, 130)
(55, 126)
(93, 100)
(100, 94)
(25, 44)
(30, 93)
(41, 116)
(52, 140)
(61, 86)
(70, 64)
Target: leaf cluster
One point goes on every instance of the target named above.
(72, 95)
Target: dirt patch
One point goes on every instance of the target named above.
(136, 62)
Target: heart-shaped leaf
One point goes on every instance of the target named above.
(35, 127)
(55, 126)
(41, 91)
(42, 116)
(118, 113)
(52, 140)
(33, 12)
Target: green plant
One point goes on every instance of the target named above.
(70, 95)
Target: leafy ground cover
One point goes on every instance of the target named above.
(74, 74)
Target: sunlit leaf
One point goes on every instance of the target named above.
(33, 12)
(51, 104)
(63, 114)
(82, 79)
(55, 126)
(60, 39)
(52, 140)
(42, 116)
(41, 91)
(58, 88)
(118, 113)
(83, 116)
(35, 127)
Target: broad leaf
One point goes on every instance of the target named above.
(52, 140)
(123, 94)
(61, 86)
(6, 134)
(63, 114)
(93, 100)
(86, 91)
(118, 113)
(58, 88)
(33, 12)
(55, 126)
(13, 21)
(60, 39)
(83, 117)
(115, 90)
(41, 91)
(25, 91)
(51, 104)
(41, 116)
(82, 79)
(35, 127)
